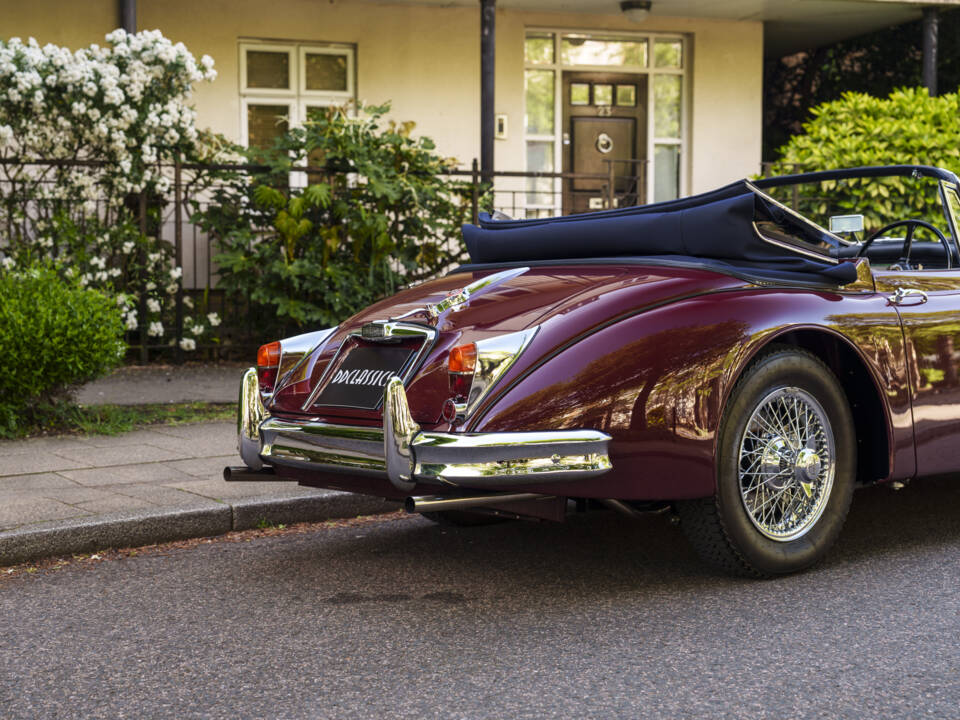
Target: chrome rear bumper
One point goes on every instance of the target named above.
(406, 455)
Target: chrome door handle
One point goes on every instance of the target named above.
(902, 294)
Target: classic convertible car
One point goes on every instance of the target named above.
(720, 356)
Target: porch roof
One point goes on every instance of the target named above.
(789, 25)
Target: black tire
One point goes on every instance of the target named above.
(463, 518)
(738, 540)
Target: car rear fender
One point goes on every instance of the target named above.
(658, 381)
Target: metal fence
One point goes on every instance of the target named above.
(28, 199)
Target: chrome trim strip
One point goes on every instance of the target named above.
(403, 453)
(250, 414)
(797, 215)
(494, 357)
(399, 433)
(458, 299)
(793, 248)
(392, 331)
(294, 352)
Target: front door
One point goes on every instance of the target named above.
(930, 312)
(604, 120)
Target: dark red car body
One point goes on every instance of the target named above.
(649, 351)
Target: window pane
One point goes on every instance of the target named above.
(268, 69)
(666, 172)
(603, 94)
(265, 123)
(668, 53)
(666, 106)
(539, 159)
(579, 93)
(539, 118)
(326, 72)
(579, 50)
(538, 49)
(627, 95)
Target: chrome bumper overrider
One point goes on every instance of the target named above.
(405, 454)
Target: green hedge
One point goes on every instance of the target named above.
(55, 335)
(907, 128)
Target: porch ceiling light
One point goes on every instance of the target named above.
(636, 10)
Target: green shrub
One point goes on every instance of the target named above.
(57, 335)
(907, 128)
(381, 214)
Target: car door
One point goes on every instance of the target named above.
(928, 302)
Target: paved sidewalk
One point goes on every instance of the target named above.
(140, 384)
(63, 495)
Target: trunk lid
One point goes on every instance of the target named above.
(564, 301)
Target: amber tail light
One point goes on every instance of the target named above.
(462, 365)
(268, 362)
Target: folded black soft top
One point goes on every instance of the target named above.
(736, 224)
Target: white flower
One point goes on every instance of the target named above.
(121, 300)
(114, 272)
(188, 301)
(213, 319)
(6, 135)
(131, 320)
(153, 305)
(176, 273)
(197, 330)
(155, 329)
(98, 262)
(128, 247)
(151, 285)
(188, 344)
(8, 262)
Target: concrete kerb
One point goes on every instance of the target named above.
(208, 518)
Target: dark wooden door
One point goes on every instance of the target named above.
(604, 118)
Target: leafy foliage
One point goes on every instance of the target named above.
(876, 63)
(112, 118)
(378, 212)
(59, 335)
(908, 127)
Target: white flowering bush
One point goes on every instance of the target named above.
(112, 118)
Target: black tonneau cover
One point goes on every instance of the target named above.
(737, 224)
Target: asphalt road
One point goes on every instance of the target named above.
(601, 617)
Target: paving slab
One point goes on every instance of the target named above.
(207, 468)
(138, 385)
(33, 483)
(71, 495)
(123, 474)
(32, 463)
(105, 457)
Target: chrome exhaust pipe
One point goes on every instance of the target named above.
(434, 503)
(239, 473)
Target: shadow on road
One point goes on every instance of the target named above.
(596, 554)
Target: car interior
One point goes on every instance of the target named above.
(899, 221)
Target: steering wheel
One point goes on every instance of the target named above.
(911, 226)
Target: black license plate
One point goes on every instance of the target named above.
(361, 377)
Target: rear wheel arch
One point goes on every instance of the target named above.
(871, 416)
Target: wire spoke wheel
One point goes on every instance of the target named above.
(787, 464)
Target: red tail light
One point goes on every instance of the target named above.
(268, 362)
(462, 364)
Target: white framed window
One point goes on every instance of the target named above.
(662, 59)
(326, 73)
(281, 82)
